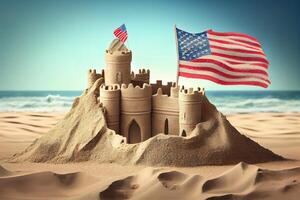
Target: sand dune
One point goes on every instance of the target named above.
(279, 132)
(46, 185)
(241, 181)
(19, 130)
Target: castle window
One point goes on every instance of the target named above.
(184, 116)
(166, 127)
(119, 77)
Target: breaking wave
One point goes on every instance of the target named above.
(49, 103)
(245, 102)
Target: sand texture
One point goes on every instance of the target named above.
(241, 181)
(83, 136)
(91, 180)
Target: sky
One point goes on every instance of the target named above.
(50, 45)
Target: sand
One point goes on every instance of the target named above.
(279, 132)
(90, 180)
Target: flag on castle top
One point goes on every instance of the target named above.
(121, 33)
(226, 58)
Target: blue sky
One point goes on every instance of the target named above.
(50, 45)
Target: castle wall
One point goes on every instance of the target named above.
(93, 76)
(190, 102)
(110, 98)
(165, 112)
(118, 68)
(136, 108)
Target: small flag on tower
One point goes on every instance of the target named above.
(121, 33)
(227, 58)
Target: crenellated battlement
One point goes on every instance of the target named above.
(136, 91)
(110, 91)
(191, 94)
(143, 76)
(113, 87)
(165, 88)
(118, 56)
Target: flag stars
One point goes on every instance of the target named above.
(191, 46)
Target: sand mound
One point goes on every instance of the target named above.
(240, 182)
(44, 185)
(82, 135)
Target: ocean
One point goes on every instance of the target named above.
(228, 102)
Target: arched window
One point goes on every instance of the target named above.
(119, 77)
(166, 131)
(183, 133)
(134, 133)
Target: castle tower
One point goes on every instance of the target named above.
(165, 112)
(110, 98)
(189, 109)
(136, 112)
(93, 76)
(118, 59)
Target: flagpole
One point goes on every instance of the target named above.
(177, 77)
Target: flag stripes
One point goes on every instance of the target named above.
(121, 33)
(233, 58)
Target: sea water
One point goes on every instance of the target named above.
(226, 101)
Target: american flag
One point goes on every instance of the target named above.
(121, 33)
(227, 58)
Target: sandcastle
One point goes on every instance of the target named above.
(122, 118)
(139, 110)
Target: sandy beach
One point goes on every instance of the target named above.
(279, 132)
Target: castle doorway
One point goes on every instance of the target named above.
(183, 134)
(134, 132)
(166, 131)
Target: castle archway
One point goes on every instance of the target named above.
(166, 130)
(183, 133)
(134, 132)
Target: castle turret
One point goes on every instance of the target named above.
(110, 98)
(189, 109)
(136, 112)
(93, 76)
(165, 112)
(118, 59)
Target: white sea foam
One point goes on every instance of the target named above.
(227, 103)
(50, 103)
(240, 105)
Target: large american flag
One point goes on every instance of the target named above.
(225, 58)
(121, 33)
